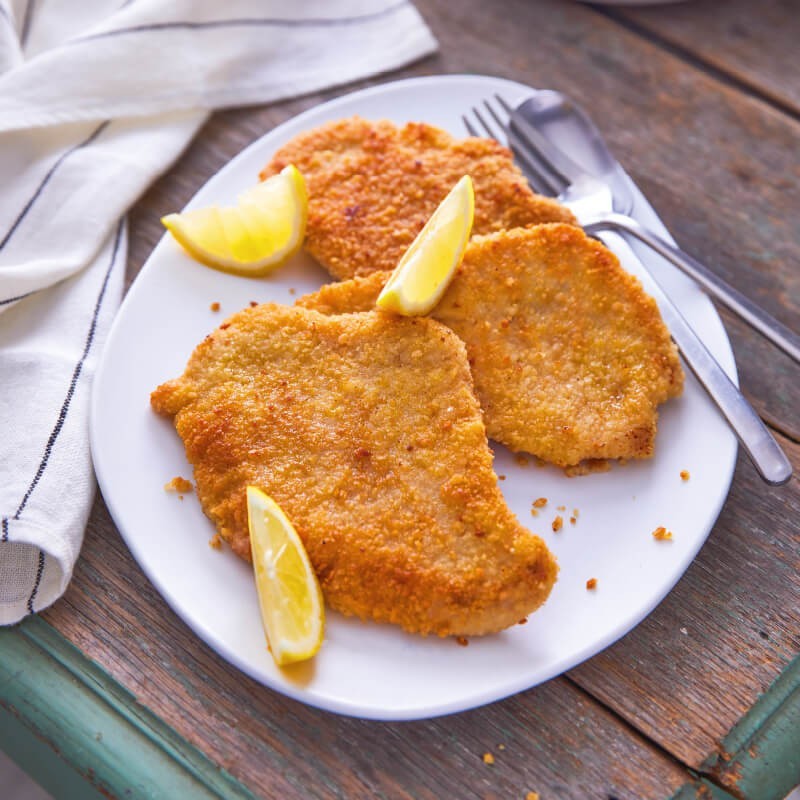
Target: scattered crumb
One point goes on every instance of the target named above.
(685, 475)
(178, 484)
(501, 747)
(215, 542)
(462, 640)
(522, 621)
(540, 503)
(501, 477)
(591, 583)
(573, 520)
(521, 460)
(532, 796)
(534, 512)
(253, 303)
(561, 508)
(684, 632)
(662, 534)
(558, 523)
(292, 291)
(214, 306)
(575, 513)
(488, 758)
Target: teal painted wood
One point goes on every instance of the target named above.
(761, 755)
(701, 790)
(39, 760)
(95, 727)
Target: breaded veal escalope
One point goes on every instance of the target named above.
(366, 430)
(372, 187)
(569, 355)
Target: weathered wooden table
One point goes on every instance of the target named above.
(701, 101)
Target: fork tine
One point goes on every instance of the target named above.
(473, 131)
(536, 178)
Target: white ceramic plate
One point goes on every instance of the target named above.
(372, 670)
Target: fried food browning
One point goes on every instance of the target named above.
(569, 356)
(366, 431)
(372, 186)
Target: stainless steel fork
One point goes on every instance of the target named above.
(582, 193)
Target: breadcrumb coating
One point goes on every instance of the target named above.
(569, 355)
(372, 186)
(365, 429)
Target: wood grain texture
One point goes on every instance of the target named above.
(721, 168)
(750, 42)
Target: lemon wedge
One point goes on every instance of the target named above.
(427, 267)
(263, 230)
(288, 591)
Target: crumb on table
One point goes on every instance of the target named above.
(591, 583)
(532, 796)
(488, 758)
(558, 523)
(214, 306)
(662, 534)
(178, 484)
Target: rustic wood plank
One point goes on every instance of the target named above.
(754, 45)
(669, 123)
(280, 748)
(700, 661)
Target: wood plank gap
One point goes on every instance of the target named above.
(692, 59)
(631, 728)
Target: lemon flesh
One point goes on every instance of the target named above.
(262, 231)
(289, 595)
(427, 267)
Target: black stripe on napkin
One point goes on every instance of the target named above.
(62, 414)
(273, 22)
(14, 299)
(39, 571)
(40, 188)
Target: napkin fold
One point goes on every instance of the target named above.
(96, 100)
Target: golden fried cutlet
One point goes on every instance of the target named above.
(365, 429)
(372, 186)
(570, 357)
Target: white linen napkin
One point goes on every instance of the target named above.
(96, 100)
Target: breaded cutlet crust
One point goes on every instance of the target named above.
(373, 185)
(569, 355)
(366, 430)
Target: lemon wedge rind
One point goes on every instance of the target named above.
(262, 231)
(427, 267)
(290, 598)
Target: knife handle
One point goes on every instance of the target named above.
(781, 336)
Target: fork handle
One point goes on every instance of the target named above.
(781, 336)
